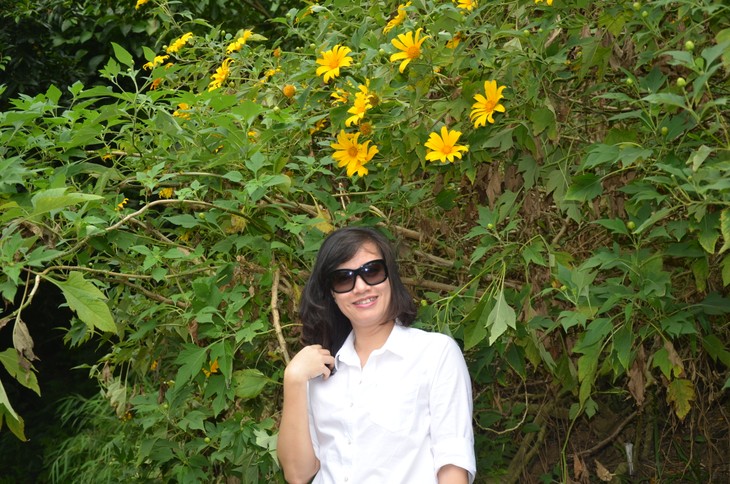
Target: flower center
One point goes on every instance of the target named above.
(489, 105)
(352, 151)
(446, 149)
(334, 62)
(413, 52)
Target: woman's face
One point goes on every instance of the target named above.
(365, 306)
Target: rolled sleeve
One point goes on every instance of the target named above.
(452, 435)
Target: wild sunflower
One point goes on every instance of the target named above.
(410, 47)
(444, 148)
(361, 104)
(398, 19)
(469, 4)
(352, 154)
(157, 61)
(549, 2)
(332, 60)
(485, 106)
(178, 43)
(239, 42)
(220, 76)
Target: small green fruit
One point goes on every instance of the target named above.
(681, 82)
(563, 287)
(207, 440)
(664, 130)
(644, 13)
(424, 303)
(490, 226)
(629, 81)
(630, 225)
(636, 6)
(689, 45)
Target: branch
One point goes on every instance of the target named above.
(155, 296)
(610, 438)
(275, 316)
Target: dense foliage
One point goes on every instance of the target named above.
(555, 175)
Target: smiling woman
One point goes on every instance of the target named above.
(399, 408)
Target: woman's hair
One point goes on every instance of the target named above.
(323, 322)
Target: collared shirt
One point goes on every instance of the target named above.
(400, 418)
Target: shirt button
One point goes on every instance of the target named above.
(347, 478)
(352, 404)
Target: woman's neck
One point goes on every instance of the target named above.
(370, 339)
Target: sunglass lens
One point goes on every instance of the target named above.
(343, 281)
(373, 272)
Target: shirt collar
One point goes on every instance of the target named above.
(397, 343)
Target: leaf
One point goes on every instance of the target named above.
(681, 394)
(725, 229)
(584, 188)
(14, 421)
(56, 198)
(603, 473)
(248, 383)
(11, 361)
(87, 301)
(637, 381)
(122, 55)
(191, 360)
(666, 99)
(699, 156)
(501, 316)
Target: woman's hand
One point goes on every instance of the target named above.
(309, 363)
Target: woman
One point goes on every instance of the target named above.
(370, 400)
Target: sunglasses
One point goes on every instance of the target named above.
(373, 273)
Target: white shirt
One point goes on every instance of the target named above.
(399, 419)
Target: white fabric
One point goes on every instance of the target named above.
(399, 419)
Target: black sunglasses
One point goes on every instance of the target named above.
(373, 273)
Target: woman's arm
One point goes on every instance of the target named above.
(294, 445)
(451, 474)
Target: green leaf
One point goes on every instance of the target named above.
(725, 229)
(191, 360)
(584, 188)
(248, 383)
(716, 349)
(122, 55)
(698, 157)
(87, 301)
(56, 198)
(664, 98)
(500, 317)
(10, 360)
(681, 394)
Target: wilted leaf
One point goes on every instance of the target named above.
(681, 394)
(637, 382)
(603, 473)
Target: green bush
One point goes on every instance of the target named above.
(573, 236)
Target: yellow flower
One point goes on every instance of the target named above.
(156, 83)
(213, 368)
(352, 154)
(277, 52)
(181, 112)
(318, 126)
(398, 19)
(470, 4)
(157, 61)
(549, 2)
(410, 46)
(444, 147)
(289, 90)
(140, 3)
(332, 60)
(360, 106)
(455, 40)
(239, 42)
(153, 366)
(220, 76)
(485, 106)
(167, 192)
(121, 204)
(340, 96)
(178, 44)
